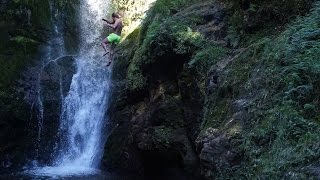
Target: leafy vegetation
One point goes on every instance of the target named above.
(281, 74)
(162, 33)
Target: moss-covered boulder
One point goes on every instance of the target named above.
(230, 83)
(159, 92)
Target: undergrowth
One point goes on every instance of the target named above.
(280, 79)
(163, 33)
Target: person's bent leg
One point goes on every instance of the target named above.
(104, 44)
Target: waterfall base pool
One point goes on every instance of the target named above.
(72, 173)
(62, 171)
(81, 176)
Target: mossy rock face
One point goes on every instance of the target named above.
(21, 34)
(14, 136)
(25, 27)
(262, 102)
(158, 95)
(167, 113)
(169, 44)
(253, 15)
(55, 80)
(71, 25)
(120, 152)
(19, 45)
(246, 107)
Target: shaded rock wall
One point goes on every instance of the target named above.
(55, 82)
(20, 26)
(199, 86)
(159, 120)
(25, 29)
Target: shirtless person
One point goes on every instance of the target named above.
(116, 25)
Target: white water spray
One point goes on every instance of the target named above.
(82, 119)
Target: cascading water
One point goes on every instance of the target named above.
(53, 49)
(80, 146)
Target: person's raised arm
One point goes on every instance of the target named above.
(108, 21)
(115, 24)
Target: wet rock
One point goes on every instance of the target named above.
(157, 133)
(239, 105)
(55, 83)
(215, 152)
(314, 170)
(213, 80)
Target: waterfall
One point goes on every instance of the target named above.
(50, 53)
(80, 136)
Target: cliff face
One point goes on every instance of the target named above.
(23, 27)
(228, 89)
(25, 30)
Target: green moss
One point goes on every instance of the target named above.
(136, 80)
(174, 36)
(187, 38)
(280, 76)
(40, 11)
(124, 54)
(238, 76)
(162, 136)
(204, 59)
(12, 65)
(261, 14)
(23, 40)
(216, 112)
(276, 72)
(281, 145)
(161, 10)
(134, 36)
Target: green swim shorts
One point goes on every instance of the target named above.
(114, 38)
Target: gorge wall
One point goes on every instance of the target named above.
(221, 89)
(26, 28)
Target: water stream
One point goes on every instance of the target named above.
(79, 148)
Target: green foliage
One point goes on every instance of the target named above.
(246, 15)
(124, 57)
(205, 58)
(187, 39)
(23, 40)
(279, 77)
(282, 144)
(135, 79)
(162, 10)
(171, 36)
(215, 116)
